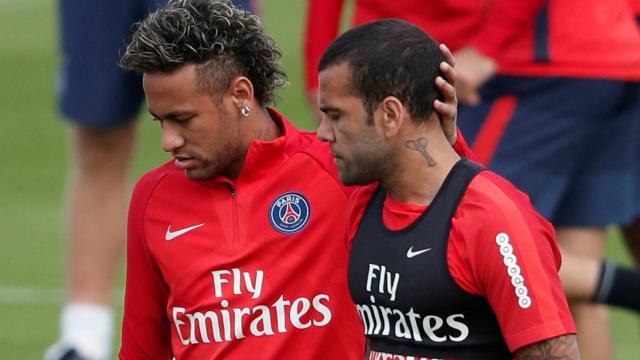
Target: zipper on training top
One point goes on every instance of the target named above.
(234, 215)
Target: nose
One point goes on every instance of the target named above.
(172, 139)
(325, 131)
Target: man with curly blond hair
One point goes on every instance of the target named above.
(100, 104)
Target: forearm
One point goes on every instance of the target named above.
(563, 347)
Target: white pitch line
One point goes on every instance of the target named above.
(32, 295)
(21, 2)
(29, 295)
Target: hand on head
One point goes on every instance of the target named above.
(447, 109)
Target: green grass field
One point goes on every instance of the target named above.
(33, 155)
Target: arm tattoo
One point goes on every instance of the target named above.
(563, 347)
(420, 145)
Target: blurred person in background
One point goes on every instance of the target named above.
(450, 22)
(101, 102)
(563, 90)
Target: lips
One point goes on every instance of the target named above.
(337, 160)
(184, 162)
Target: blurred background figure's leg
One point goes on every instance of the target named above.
(100, 101)
(582, 250)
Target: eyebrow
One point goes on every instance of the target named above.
(327, 109)
(172, 114)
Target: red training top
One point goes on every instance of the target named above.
(491, 206)
(251, 268)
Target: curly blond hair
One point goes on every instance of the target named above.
(222, 40)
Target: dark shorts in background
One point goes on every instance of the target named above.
(245, 4)
(92, 90)
(571, 144)
(636, 134)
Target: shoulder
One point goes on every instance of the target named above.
(152, 177)
(508, 254)
(140, 199)
(309, 144)
(150, 180)
(496, 201)
(493, 210)
(301, 142)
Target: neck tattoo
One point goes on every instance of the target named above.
(420, 145)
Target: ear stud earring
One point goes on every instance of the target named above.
(245, 111)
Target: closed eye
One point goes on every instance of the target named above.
(178, 118)
(331, 113)
(182, 120)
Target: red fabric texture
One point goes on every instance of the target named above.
(587, 38)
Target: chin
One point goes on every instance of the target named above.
(357, 178)
(350, 180)
(198, 174)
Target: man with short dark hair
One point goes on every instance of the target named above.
(448, 260)
(236, 248)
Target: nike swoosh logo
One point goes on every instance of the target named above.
(170, 235)
(411, 253)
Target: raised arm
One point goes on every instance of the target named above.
(447, 109)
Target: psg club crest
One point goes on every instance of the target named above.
(289, 213)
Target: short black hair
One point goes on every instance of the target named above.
(389, 57)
